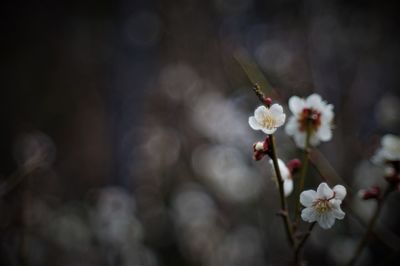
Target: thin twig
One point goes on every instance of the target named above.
(284, 209)
(303, 173)
(299, 246)
(364, 240)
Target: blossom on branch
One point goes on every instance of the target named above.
(267, 119)
(389, 150)
(313, 115)
(323, 205)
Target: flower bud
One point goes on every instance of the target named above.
(267, 101)
(258, 146)
(294, 165)
(261, 148)
(373, 192)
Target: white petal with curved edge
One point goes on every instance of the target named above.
(296, 105)
(390, 140)
(340, 192)
(307, 197)
(338, 213)
(314, 101)
(288, 187)
(291, 126)
(268, 131)
(324, 192)
(300, 139)
(325, 132)
(260, 113)
(314, 140)
(285, 173)
(280, 120)
(326, 220)
(327, 114)
(309, 215)
(254, 124)
(276, 109)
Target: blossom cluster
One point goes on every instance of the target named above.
(310, 124)
(388, 157)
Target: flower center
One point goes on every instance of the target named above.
(268, 122)
(309, 118)
(322, 205)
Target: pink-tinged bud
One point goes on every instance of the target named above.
(268, 101)
(261, 148)
(372, 193)
(293, 165)
(258, 155)
(258, 146)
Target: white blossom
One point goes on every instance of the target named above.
(267, 119)
(286, 176)
(323, 205)
(314, 113)
(389, 150)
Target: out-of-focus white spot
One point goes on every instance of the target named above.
(113, 219)
(221, 120)
(195, 216)
(193, 207)
(241, 247)
(274, 56)
(162, 147)
(180, 82)
(70, 231)
(224, 168)
(387, 111)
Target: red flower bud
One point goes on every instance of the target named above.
(373, 192)
(294, 165)
(268, 101)
(261, 148)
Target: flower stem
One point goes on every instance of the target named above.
(297, 250)
(284, 209)
(303, 173)
(364, 240)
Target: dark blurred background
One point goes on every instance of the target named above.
(124, 136)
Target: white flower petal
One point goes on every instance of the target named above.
(314, 140)
(340, 192)
(326, 220)
(327, 114)
(285, 173)
(288, 187)
(315, 102)
(268, 131)
(300, 139)
(296, 105)
(307, 197)
(324, 192)
(338, 213)
(280, 120)
(309, 215)
(276, 109)
(390, 140)
(291, 126)
(325, 132)
(260, 113)
(254, 124)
